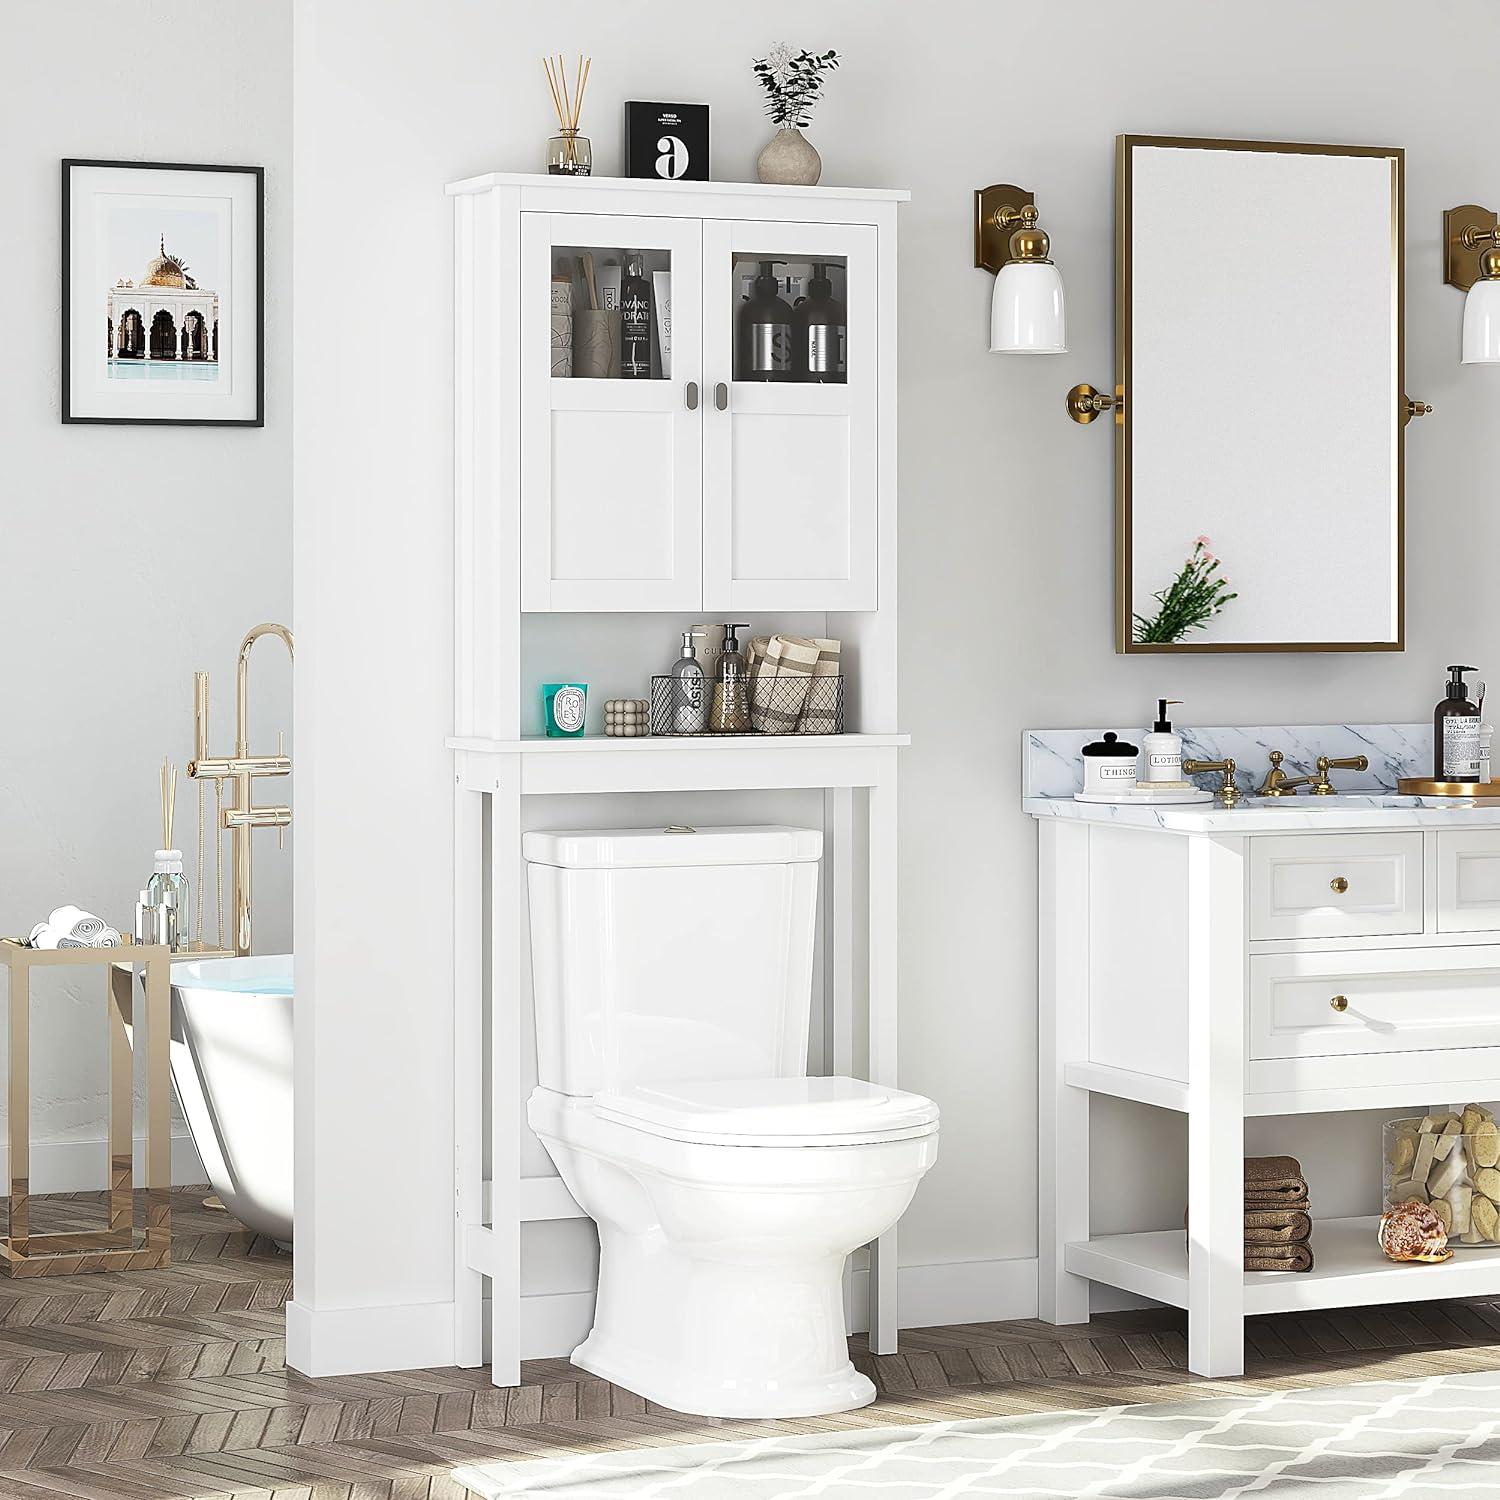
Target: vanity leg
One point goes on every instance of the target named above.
(1216, 1107)
(1062, 1037)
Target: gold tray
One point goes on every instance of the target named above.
(1421, 786)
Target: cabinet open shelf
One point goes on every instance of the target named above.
(1350, 1270)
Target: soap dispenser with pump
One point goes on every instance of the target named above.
(731, 702)
(764, 339)
(1161, 760)
(1455, 731)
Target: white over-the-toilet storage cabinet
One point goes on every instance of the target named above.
(692, 495)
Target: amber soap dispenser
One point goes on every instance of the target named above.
(1455, 731)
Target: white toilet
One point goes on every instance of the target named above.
(673, 981)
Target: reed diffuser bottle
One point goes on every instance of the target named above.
(568, 153)
(162, 915)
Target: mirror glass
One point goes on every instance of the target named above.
(1260, 360)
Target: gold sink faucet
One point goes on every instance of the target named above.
(1277, 782)
(241, 768)
(1228, 793)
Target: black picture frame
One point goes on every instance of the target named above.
(72, 418)
(646, 123)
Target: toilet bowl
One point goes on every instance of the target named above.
(673, 989)
(722, 1239)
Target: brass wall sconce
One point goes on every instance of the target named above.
(1471, 262)
(1026, 309)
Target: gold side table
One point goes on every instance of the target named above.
(125, 1245)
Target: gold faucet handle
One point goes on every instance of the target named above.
(1322, 784)
(1228, 793)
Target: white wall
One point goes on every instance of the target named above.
(134, 555)
(1006, 534)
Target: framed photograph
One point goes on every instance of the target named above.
(666, 141)
(163, 307)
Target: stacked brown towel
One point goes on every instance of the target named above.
(1278, 1218)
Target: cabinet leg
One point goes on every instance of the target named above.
(1216, 1109)
(1062, 1036)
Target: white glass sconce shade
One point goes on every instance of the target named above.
(1482, 324)
(1026, 311)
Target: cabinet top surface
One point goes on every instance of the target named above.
(1346, 813)
(545, 180)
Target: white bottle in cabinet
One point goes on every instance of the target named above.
(701, 490)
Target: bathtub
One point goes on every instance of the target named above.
(232, 1065)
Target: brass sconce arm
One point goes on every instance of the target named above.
(1085, 404)
(1005, 227)
(1471, 246)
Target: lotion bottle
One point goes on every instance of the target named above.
(1455, 731)
(1162, 757)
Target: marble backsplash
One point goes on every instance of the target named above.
(1052, 761)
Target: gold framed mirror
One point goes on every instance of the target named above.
(1261, 414)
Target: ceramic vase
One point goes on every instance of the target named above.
(790, 159)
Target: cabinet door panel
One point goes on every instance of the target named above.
(611, 468)
(1468, 879)
(790, 473)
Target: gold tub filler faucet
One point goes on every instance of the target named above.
(241, 768)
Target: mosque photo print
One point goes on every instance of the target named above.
(162, 309)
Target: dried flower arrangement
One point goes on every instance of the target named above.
(1197, 594)
(793, 82)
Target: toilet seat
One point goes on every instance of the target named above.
(770, 1112)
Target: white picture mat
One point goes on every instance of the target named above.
(230, 196)
(1262, 401)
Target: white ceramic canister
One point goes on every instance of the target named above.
(1109, 766)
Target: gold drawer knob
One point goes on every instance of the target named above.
(1340, 1002)
(1338, 885)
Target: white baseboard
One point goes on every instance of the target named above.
(83, 1166)
(362, 1340)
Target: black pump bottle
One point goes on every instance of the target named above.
(764, 349)
(1455, 732)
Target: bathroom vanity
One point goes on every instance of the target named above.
(1285, 956)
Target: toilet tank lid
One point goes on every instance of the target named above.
(644, 848)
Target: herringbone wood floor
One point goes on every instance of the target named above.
(146, 1385)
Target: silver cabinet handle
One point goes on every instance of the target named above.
(721, 396)
(690, 391)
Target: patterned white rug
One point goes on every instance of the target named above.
(1387, 1440)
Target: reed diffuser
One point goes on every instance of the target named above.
(568, 153)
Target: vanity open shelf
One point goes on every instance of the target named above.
(1351, 1271)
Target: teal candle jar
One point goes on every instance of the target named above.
(565, 705)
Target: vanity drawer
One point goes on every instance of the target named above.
(1468, 879)
(1390, 1000)
(1335, 885)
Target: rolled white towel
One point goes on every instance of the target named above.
(72, 927)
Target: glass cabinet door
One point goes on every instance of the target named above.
(611, 438)
(790, 357)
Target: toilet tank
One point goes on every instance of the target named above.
(671, 953)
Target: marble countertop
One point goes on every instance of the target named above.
(1300, 814)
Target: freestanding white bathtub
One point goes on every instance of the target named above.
(232, 1064)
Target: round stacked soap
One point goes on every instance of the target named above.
(630, 717)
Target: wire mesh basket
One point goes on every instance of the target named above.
(762, 705)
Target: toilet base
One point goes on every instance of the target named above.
(844, 1390)
(721, 1337)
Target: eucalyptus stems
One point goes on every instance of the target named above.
(1190, 601)
(793, 82)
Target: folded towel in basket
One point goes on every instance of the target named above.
(72, 927)
(781, 666)
(821, 713)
